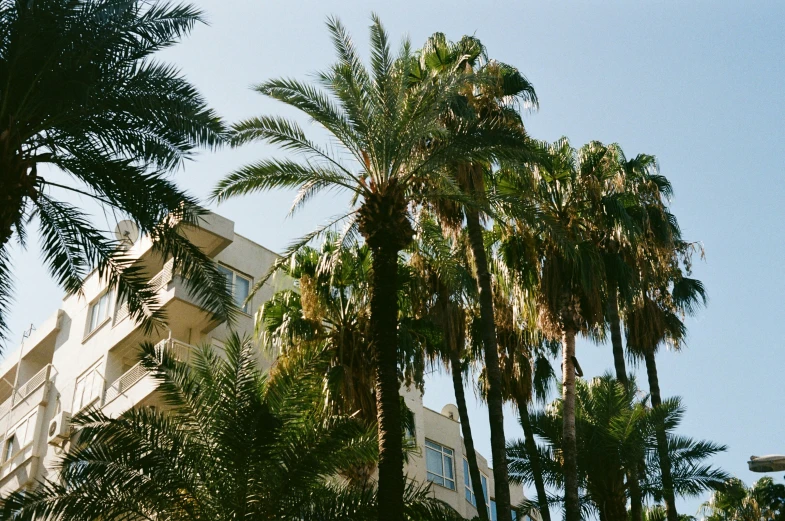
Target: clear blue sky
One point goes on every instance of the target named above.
(699, 84)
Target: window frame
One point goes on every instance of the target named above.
(8, 448)
(246, 307)
(442, 451)
(14, 444)
(89, 328)
(93, 369)
(469, 490)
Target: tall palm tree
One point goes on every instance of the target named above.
(83, 100)
(233, 443)
(631, 207)
(526, 377)
(566, 271)
(656, 320)
(491, 96)
(616, 429)
(444, 291)
(387, 123)
(628, 198)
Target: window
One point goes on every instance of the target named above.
(439, 462)
(493, 510)
(99, 311)
(88, 387)
(10, 448)
(22, 435)
(238, 286)
(469, 490)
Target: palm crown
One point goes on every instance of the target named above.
(81, 94)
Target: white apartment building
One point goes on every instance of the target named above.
(85, 354)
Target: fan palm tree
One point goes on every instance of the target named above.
(655, 320)
(327, 317)
(491, 96)
(231, 443)
(616, 430)
(444, 291)
(82, 96)
(628, 200)
(526, 377)
(632, 214)
(763, 501)
(387, 124)
(557, 255)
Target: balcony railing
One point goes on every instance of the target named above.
(32, 384)
(123, 383)
(160, 280)
(181, 350)
(21, 393)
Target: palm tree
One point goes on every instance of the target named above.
(388, 124)
(491, 96)
(233, 443)
(444, 291)
(656, 320)
(631, 209)
(628, 198)
(82, 96)
(556, 254)
(327, 318)
(526, 377)
(763, 501)
(616, 430)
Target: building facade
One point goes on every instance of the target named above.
(86, 354)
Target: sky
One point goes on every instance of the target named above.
(698, 84)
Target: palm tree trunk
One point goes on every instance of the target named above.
(615, 324)
(662, 439)
(572, 507)
(636, 497)
(534, 458)
(493, 372)
(384, 325)
(466, 430)
(617, 508)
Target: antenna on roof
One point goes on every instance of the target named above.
(29, 332)
(126, 233)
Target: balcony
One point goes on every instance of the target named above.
(20, 420)
(25, 397)
(182, 309)
(135, 384)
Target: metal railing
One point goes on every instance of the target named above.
(21, 393)
(164, 276)
(122, 384)
(160, 280)
(137, 372)
(32, 384)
